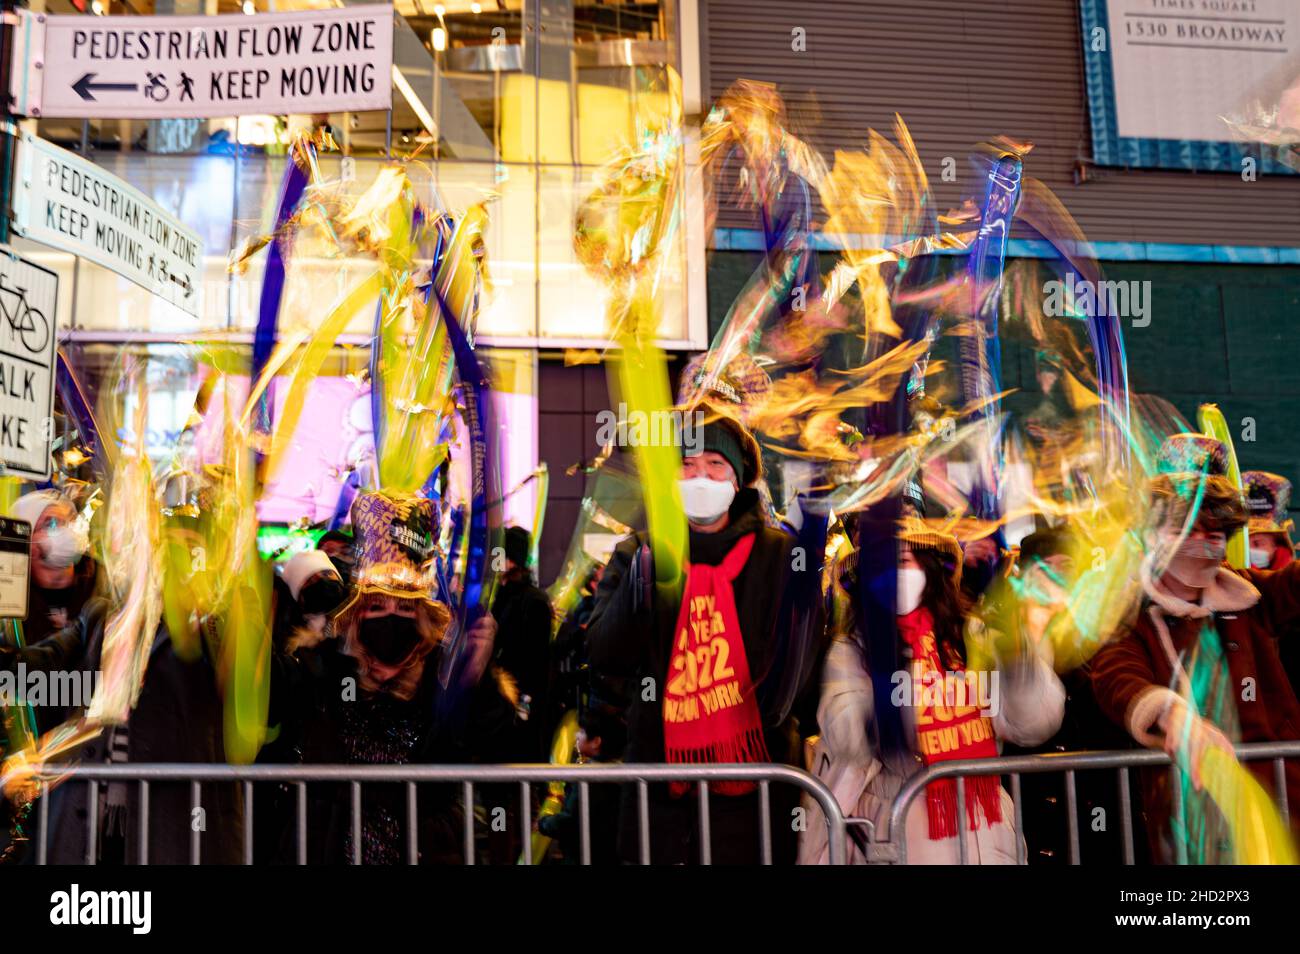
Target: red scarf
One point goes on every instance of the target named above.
(947, 730)
(710, 714)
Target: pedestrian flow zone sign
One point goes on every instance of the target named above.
(195, 67)
(28, 295)
(61, 200)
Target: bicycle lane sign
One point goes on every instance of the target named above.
(68, 203)
(28, 296)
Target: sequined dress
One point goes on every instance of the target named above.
(379, 729)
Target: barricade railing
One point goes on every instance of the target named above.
(526, 776)
(890, 846)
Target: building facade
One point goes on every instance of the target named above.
(519, 104)
(1220, 248)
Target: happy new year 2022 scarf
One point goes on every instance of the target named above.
(710, 714)
(946, 730)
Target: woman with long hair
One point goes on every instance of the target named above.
(936, 710)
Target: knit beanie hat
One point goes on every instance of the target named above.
(723, 434)
(719, 439)
(29, 507)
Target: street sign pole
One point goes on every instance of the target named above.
(8, 127)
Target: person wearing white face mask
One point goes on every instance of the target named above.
(713, 655)
(946, 712)
(63, 576)
(1199, 667)
(1268, 501)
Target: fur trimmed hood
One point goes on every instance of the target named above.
(1229, 592)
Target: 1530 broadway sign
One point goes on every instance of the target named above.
(64, 201)
(311, 61)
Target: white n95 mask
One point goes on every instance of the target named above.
(706, 500)
(911, 587)
(64, 546)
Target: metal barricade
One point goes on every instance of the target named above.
(890, 845)
(412, 775)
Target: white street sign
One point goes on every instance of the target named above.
(312, 61)
(63, 201)
(28, 294)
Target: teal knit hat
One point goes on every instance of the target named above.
(723, 434)
(719, 439)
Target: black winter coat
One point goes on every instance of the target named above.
(523, 649)
(48, 612)
(327, 718)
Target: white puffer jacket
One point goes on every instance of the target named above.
(1031, 706)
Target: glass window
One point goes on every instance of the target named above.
(516, 104)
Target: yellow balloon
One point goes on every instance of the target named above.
(1259, 836)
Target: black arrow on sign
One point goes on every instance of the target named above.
(189, 288)
(84, 87)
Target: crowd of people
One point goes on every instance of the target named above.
(760, 654)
